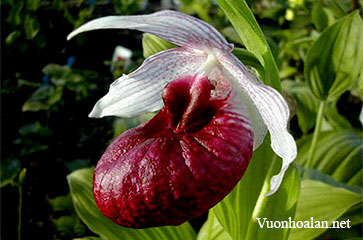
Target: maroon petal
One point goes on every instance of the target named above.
(179, 164)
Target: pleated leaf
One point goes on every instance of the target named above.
(335, 60)
(237, 213)
(323, 202)
(80, 183)
(307, 104)
(212, 229)
(338, 154)
(307, 108)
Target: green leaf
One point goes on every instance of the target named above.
(277, 207)
(251, 34)
(338, 153)
(12, 37)
(32, 5)
(201, 8)
(337, 7)
(61, 203)
(212, 229)
(317, 175)
(354, 215)
(322, 17)
(67, 226)
(83, 16)
(237, 213)
(58, 5)
(43, 99)
(307, 108)
(231, 34)
(10, 167)
(15, 17)
(323, 202)
(152, 44)
(307, 104)
(360, 87)
(80, 183)
(31, 27)
(335, 60)
(249, 59)
(335, 119)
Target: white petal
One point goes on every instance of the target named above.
(140, 91)
(272, 108)
(175, 27)
(259, 127)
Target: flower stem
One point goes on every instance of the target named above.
(20, 189)
(319, 120)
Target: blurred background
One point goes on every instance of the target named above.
(49, 85)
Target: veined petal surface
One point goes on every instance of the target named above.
(272, 108)
(175, 27)
(258, 125)
(140, 91)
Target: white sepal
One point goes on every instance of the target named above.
(140, 91)
(175, 27)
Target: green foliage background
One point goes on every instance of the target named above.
(309, 50)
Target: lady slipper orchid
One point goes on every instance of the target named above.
(214, 113)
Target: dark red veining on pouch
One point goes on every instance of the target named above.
(180, 163)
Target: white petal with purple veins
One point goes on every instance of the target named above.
(140, 91)
(272, 108)
(259, 127)
(175, 27)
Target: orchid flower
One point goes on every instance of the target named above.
(203, 65)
